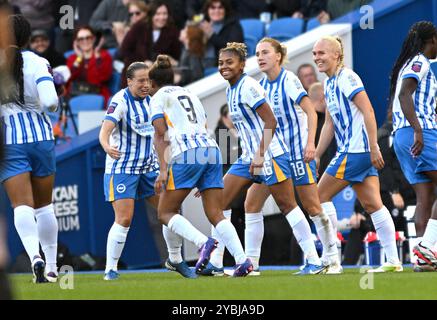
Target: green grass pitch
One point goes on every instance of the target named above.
(276, 285)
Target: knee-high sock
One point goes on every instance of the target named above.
(253, 237)
(24, 220)
(47, 225)
(303, 235)
(181, 226)
(327, 237)
(329, 209)
(385, 229)
(116, 239)
(229, 237)
(174, 244)
(217, 255)
(430, 236)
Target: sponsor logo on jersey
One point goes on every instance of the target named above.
(417, 66)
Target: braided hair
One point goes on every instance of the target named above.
(237, 48)
(414, 43)
(21, 33)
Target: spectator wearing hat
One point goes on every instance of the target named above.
(40, 44)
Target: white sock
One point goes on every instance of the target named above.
(430, 235)
(229, 237)
(303, 235)
(24, 220)
(47, 225)
(385, 229)
(181, 226)
(114, 247)
(217, 255)
(174, 244)
(331, 212)
(326, 234)
(253, 237)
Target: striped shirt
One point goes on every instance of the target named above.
(244, 97)
(185, 117)
(418, 68)
(350, 130)
(284, 95)
(133, 134)
(27, 123)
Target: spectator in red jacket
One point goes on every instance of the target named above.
(90, 66)
(147, 39)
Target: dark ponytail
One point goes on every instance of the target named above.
(21, 32)
(161, 71)
(414, 43)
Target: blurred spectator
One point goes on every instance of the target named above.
(193, 8)
(220, 27)
(178, 8)
(303, 9)
(190, 66)
(83, 11)
(40, 44)
(39, 13)
(138, 11)
(307, 75)
(317, 96)
(249, 9)
(107, 13)
(339, 8)
(91, 66)
(146, 40)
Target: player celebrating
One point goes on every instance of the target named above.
(265, 159)
(132, 167)
(195, 161)
(297, 121)
(413, 92)
(350, 115)
(28, 169)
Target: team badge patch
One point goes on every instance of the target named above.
(112, 107)
(352, 81)
(254, 92)
(417, 66)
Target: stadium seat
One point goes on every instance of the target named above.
(86, 102)
(112, 52)
(253, 30)
(209, 71)
(68, 53)
(115, 82)
(312, 24)
(284, 29)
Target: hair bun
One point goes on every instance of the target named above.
(163, 61)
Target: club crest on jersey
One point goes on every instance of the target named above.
(112, 107)
(352, 80)
(417, 66)
(255, 94)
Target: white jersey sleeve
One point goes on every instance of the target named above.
(350, 83)
(417, 68)
(157, 106)
(43, 80)
(117, 109)
(294, 88)
(253, 94)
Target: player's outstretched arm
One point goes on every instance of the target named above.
(162, 147)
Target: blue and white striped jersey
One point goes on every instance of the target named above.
(244, 98)
(27, 123)
(284, 95)
(185, 117)
(133, 134)
(418, 68)
(350, 130)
